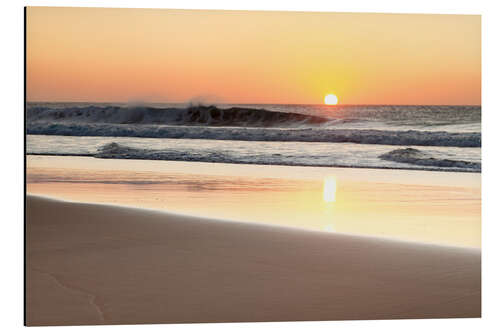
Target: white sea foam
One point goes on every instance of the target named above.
(405, 138)
(248, 152)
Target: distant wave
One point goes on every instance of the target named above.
(418, 157)
(199, 115)
(316, 134)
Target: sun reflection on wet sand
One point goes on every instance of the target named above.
(329, 198)
(330, 189)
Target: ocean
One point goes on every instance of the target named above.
(438, 138)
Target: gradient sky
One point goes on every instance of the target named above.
(159, 55)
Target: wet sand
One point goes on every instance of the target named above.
(104, 264)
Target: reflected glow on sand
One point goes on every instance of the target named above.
(420, 206)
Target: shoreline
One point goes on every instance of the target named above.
(249, 163)
(116, 265)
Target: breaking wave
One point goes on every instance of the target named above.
(195, 115)
(418, 157)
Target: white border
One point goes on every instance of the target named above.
(12, 141)
(380, 6)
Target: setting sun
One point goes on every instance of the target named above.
(331, 99)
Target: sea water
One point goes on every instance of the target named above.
(443, 138)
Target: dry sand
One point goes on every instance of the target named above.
(98, 264)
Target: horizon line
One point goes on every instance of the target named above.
(245, 103)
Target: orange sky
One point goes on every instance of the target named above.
(158, 55)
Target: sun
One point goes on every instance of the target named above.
(331, 99)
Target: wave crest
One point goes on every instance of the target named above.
(418, 157)
(192, 115)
